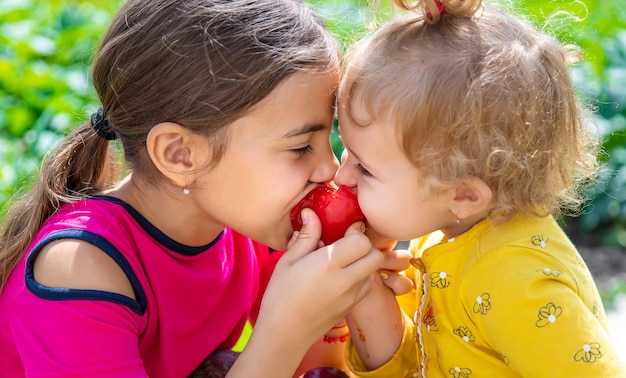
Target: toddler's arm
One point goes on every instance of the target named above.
(378, 326)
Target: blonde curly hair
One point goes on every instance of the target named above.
(476, 91)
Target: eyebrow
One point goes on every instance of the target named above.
(304, 130)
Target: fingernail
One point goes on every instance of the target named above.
(384, 275)
(363, 227)
(418, 263)
(305, 217)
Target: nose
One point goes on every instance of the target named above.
(326, 167)
(345, 175)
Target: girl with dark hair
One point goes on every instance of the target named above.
(223, 109)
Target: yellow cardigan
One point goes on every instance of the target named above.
(510, 300)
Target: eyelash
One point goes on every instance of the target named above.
(303, 151)
(362, 170)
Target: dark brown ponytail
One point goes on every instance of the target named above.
(82, 164)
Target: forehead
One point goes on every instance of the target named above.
(371, 140)
(356, 116)
(303, 83)
(303, 98)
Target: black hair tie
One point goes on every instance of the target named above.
(102, 126)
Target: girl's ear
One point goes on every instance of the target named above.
(170, 148)
(473, 196)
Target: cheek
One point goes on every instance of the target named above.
(274, 227)
(375, 208)
(390, 215)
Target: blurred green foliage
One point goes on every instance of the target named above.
(46, 48)
(45, 52)
(601, 78)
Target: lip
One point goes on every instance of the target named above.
(310, 187)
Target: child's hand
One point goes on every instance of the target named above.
(396, 261)
(392, 271)
(380, 241)
(314, 288)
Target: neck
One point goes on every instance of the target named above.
(168, 210)
(456, 229)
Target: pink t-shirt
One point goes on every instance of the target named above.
(189, 300)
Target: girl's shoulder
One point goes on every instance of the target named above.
(81, 265)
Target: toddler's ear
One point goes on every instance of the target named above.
(473, 196)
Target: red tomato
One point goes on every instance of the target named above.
(337, 209)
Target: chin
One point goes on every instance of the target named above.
(275, 241)
(276, 237)
(277, 246)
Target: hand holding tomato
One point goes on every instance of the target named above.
(337, 209)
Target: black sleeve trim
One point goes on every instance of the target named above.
(139, 305)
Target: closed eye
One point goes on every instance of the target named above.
(362, 170)
(303, 151)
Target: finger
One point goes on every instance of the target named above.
(353, 246)
(380, 241)
(361, 269)
(356, 228)
(307, 239)
(397, 282)
(397, 260)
